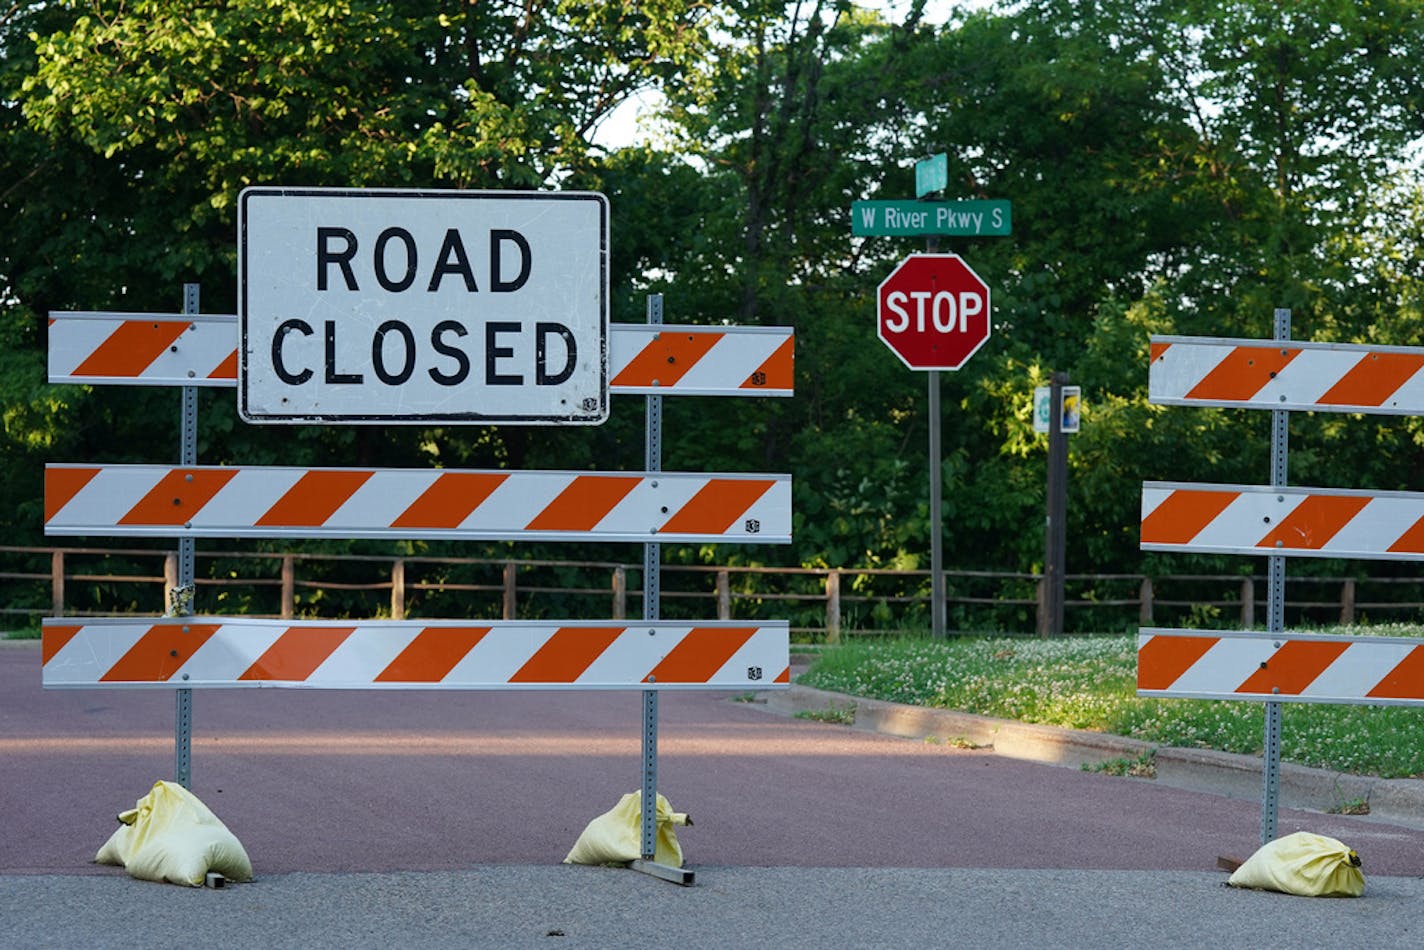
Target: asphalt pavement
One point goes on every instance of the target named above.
(440, 820)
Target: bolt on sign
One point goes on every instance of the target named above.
(422, 306)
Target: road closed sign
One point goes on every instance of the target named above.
(422, 307)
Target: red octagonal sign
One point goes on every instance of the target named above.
(934, 311)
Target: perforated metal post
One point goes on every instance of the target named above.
(183, 592)
(1275, 614)
(652, 591)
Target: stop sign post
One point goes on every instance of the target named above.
(933, 312)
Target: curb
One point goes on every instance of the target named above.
(1399, 801)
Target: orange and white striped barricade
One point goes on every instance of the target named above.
(431, 504)
(143, 349)
(198, 651)
(174, 350)
(1266, 374)
(1296, 667)
(1298, 522)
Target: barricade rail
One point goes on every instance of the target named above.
(825, 603)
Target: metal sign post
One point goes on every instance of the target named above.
(1275, 614)
(937, 611)
(652, 593)
(182, 604)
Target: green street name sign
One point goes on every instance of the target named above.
(931, 174)
(923, 218)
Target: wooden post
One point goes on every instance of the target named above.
(509, 588)
(1248, 603)
(1144, 597)
(724, 596)
(620, 593)
(833, 606)
(398, 589)
(1041, 594)
(170, 578)
(56, 583)
(1347, 602)
(289, 587)
(1055, 558)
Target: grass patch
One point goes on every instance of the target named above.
(844, 716)
(1090, 683)
(956, 742)
(1141, 766)
(1351, 806)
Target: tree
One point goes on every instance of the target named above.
(166, 110)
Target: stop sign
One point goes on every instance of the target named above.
(933, 311)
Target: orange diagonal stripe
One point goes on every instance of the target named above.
(1183, 514)
(779, 370)
(1411, 541)
(449, 500)
(700, 654)
(297, 653)
(716, 506)
(1157, 349)
(54, 637)
(159, 653)
(1243, 373)
(179, 495)
(313, 499)
(61, 485)
(666, 359)
(565, 655)
(1405, 681)
(1373, 379)
(1162, 660)
(130, 349)
(1293, 667)
(1314, 522)
(584, 503)
(784, 676)
(432, 654)
(227, 369)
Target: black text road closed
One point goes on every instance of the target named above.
(422, 306)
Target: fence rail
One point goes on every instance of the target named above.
(823, 603)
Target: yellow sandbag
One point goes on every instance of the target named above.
(616, 836)
(170, 835)
(1307, 864)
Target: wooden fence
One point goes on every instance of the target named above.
(824, 603)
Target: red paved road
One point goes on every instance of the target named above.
(377, 781)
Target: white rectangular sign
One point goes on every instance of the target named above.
(422, 307)
(1072, 408)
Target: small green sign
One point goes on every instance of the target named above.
(924, 218)
(931, 174)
